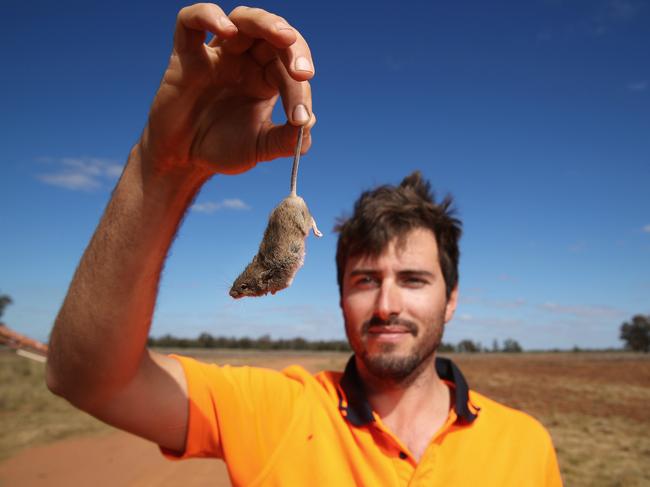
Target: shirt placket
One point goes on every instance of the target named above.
(402, 460)
(427, 469)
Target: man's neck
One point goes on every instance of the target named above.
(415, 408)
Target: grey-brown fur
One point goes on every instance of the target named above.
(282, 250)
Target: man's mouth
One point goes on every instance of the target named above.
(389, 334)
(392, 326)
(388, 330)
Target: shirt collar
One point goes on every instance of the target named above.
(356, 408)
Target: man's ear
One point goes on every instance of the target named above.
(452, 302)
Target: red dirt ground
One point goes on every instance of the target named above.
(115, 459)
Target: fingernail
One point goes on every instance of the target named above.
(282, 26)
(303, 64)
(300, 114)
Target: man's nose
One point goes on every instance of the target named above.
(389, 300)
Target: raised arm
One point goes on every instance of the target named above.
(212, 114)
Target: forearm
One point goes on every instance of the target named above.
(100, 334)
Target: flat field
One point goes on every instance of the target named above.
(596, 406)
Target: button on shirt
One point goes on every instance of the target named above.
(294, 428)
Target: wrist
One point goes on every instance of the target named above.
(166, 180)
(165, 156)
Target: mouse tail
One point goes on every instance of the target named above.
(296, 161)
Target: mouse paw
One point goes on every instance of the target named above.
(317, 232)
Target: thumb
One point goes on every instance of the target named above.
(281, 140)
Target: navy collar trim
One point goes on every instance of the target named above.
(356, 408)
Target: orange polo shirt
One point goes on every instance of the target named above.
(291, 428)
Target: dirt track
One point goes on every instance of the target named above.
(116, 459)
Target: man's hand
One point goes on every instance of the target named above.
(213, 108)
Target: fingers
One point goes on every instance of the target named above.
(280, 40)
(297, 59)
(192, 22)
(260, 24)
(281, 50)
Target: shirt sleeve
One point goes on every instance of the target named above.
(236, 412)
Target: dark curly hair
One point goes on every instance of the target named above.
(389, 212)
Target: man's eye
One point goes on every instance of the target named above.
(363, 281)
(415, 281)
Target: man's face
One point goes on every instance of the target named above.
(395, 306)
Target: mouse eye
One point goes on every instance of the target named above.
(244, 286)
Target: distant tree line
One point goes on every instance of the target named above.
(509, 345)
(265, 342)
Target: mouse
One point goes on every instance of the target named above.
(282, 251)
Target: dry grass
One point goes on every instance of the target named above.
(595, 405)
(29, 414)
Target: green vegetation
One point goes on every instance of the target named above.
(5, 301)
(265, 342)
(636, 334)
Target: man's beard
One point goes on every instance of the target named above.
(397, 368)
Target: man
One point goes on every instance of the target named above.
(396, 416)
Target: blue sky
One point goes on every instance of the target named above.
(534, 115)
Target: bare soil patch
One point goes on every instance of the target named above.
(107, 460)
